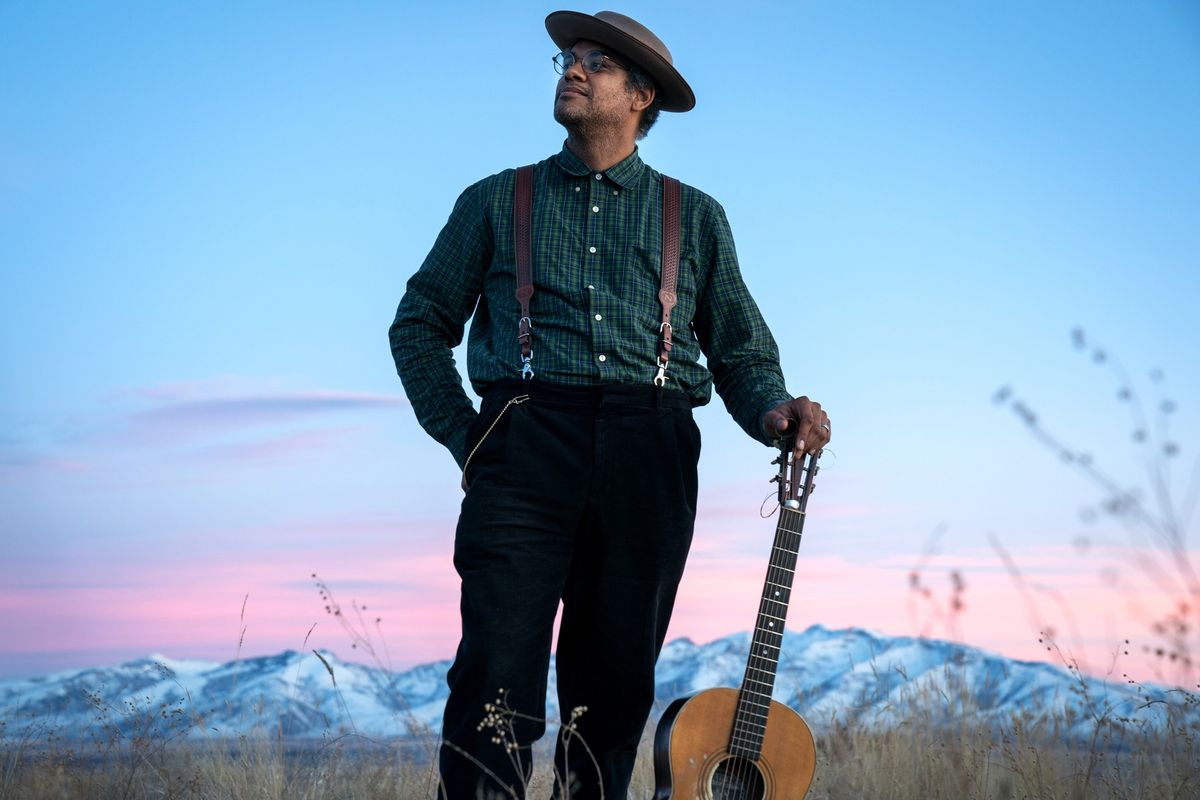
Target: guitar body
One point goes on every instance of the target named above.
(692, 759)
(739, 744)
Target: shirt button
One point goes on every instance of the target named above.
(577, 188)
(598, 176)
(598, 318)
(591, 249)
(590, 287)
(602, 357)
(595, 208)
(614, 190)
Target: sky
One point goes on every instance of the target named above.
(208, 213)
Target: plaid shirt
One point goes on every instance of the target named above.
(595, 312)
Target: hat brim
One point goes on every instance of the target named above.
(568, 27)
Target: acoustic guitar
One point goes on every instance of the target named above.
(739, 744)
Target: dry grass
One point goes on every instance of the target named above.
(166, 756)
(1026, 756)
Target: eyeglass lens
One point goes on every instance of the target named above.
(592, 61)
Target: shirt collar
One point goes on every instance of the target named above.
(624, 173)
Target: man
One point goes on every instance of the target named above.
(580, 467)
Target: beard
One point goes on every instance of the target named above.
(584, 120)
(575, 119)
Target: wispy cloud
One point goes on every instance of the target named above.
(221, 421)
(175, 421)
(271, 448)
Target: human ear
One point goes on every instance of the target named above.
(642, 98)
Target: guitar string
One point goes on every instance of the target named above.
(743, 767)
(790, 555)
(785, 552)
(782, 554)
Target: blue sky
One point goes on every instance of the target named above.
(208, 213)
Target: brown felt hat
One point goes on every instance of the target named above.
(631, 39)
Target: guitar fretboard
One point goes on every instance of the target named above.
(754, 699)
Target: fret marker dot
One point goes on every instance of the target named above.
(770, 624)
(777, 593)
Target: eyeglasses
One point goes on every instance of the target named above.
(592, 62)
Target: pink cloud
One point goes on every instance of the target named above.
(185, 600)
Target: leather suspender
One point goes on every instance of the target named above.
(668, 267)
(522, 231)
(668, 271)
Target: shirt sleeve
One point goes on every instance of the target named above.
(431, 318)
(739, 348)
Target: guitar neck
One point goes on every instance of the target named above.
(754, 698)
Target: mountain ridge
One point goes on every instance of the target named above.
(848, 676)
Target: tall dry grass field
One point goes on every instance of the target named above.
(935, 747)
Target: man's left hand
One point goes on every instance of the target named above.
(803, 417)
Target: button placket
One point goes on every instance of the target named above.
(596, 233)
(599, 339)
(592, 227)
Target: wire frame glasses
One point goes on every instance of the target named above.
(592, 61)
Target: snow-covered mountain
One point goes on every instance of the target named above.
(829, 676)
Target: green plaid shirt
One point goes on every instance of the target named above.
(595, 312)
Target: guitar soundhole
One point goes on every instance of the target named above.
(737, 778)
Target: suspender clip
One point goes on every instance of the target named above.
(524, 336)
(660, 380)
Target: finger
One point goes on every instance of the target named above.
(825, 431)
(775, 424)
(818, 430)
(808, 437)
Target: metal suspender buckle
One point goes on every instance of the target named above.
(524, 334)
(661, 378)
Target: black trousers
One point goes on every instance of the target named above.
(587, 496)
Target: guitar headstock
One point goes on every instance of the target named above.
(795, 476)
